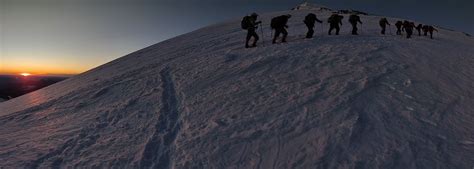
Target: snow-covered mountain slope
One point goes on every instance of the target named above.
(310, 6)
(201, 100)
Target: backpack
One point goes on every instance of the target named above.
(354, 18)
(332, 18)
(383, 22)
(310, 18)
(399, 23)
(274, 23)
(245, 24)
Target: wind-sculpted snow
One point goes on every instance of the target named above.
(201, 100)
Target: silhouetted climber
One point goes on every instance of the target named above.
(309, 20)
(250, 24)
(399, 27)
(334, 20)
(418, 28)
(383, 23)
(280, 24)
(354, 19)
(430, 29)
(408, 27)
(425, 30)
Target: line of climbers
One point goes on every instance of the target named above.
(408, 28)
(279, 24)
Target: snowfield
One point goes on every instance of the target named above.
(201, 100)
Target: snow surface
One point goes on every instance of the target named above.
(201, 100)
(310, 6)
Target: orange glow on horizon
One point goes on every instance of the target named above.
(44, 65)
(25, 74)
(40, 62)
(32, 72)
(18, 69)
(44, 72)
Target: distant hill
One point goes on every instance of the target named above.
(12, 86)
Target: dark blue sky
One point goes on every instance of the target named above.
(71, 36)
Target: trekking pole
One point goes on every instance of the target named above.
(263, 40)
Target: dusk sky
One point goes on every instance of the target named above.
(72, 36)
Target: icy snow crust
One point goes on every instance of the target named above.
(201, 100)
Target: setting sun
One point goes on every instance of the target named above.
(25, 74)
